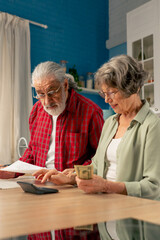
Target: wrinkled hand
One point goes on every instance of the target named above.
(94, 185)
(69, 172)
(53, 176)
(42, 174)
(5, 174)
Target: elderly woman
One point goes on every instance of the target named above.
(127, 160)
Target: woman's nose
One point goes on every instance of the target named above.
(108, 99)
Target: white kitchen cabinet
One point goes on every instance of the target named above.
(143, 43)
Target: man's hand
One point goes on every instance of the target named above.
(54, 176)
(5, 174)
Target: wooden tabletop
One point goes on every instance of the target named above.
(24, 213)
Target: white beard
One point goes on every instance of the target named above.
(59, 106)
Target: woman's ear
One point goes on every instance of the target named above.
(138, 91)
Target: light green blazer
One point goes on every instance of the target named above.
(130, 229)
(138, 154)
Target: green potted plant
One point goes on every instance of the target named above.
(74, 73)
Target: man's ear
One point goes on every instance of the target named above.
(66, 84)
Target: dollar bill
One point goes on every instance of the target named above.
(84, 227)
(84, 172)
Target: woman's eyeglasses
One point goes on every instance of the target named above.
(109, 95)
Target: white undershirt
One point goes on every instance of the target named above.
(51, 153)
(111, 176)
(111, 156)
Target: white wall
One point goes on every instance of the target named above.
(117, 20)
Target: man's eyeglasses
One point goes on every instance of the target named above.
(109, 95)
(50, 94)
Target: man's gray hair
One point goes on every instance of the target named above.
(50, 68)
(71, 81)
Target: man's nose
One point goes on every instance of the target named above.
(47, 100)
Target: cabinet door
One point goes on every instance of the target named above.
(142, 50)
(143, 37)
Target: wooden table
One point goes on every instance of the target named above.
(23, 213)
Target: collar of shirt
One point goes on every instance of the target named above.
(71, 101)
(141, 115)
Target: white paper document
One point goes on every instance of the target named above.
(21, 167)
(12, 182)
(5, 184)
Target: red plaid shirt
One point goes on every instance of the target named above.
(78, 130)
(69, 234)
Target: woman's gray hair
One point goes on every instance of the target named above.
(50, 68)
(124, 73)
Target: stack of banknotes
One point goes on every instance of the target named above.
(84, 172)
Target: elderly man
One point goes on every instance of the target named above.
(65, 126)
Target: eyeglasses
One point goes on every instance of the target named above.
(109, 95)
(50, 94)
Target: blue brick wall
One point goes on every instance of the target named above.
(77, 30)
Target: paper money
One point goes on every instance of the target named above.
(84, 227)
(84, 172)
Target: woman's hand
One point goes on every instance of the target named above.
(69, 172)
(54, 176)
(94, 185)
(99, 184)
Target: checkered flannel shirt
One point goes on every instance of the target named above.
(78, 130)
